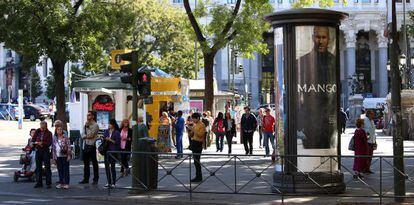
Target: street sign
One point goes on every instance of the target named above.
(116, 60)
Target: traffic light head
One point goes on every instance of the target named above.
(144, 83)
(128, 66)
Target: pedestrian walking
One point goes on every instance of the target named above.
(210, 135)
(207, 123)
(343, 118)
(179, 130)
(369, 127)
(91, 129)
(230, 126)
(62, 154)
(113, 138)
(42, 141)
(189, 124)
(125, 146)
(248, 126)
(197, 133)
(360, 148)
(268, 131)
(260, 124)
(219, 130)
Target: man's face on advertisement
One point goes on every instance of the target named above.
(321, 38)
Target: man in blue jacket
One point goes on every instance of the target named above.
(179, 130)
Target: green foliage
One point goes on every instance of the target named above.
(36, 86)
(50, 85)
(246, 30)
(159, 32)
(321, 3)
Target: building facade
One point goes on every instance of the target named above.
(363, 53)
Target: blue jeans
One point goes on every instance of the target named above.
(219, 141)
(267, 136)
(63, 169)
(179, 141)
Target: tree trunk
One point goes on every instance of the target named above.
(209, 82)
(59, 75)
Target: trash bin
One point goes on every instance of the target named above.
(148, 163)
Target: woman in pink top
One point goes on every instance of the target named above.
(126, 139)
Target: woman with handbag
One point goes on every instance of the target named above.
(230, 126)
(126, 141)
(112, 139)
(360, 148)
(219, 130)
(61, 154)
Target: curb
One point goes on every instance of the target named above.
(146, 199)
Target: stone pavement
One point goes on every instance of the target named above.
(223, 181)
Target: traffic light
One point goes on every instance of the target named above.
(129, 68)
(144, 83)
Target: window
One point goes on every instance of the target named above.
(231, 1)
(401, 1)
(177, 1)
(280, 1)
(272, 1)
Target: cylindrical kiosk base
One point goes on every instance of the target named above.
(309, 183)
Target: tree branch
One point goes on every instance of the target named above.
(227, 28)
(77, 6)
(194, 23)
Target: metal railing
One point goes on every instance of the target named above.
(253, 175)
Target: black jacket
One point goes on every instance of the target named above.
(248, 122)
(233, 127)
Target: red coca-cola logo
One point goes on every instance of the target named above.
(103, 103)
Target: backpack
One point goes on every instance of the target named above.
(220, 126)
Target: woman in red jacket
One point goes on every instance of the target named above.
(361, 148)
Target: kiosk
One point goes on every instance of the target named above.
(307, 100)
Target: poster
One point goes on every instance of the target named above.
(196, 105)
(316, 95)
(102, 118)
(164, 138)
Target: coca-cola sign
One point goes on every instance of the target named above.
(103, 103)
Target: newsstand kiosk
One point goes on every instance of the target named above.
(307, 100)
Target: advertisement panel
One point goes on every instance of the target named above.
(316, 96)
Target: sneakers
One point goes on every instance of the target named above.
(66, 186)
(109, 186)
(59, 186)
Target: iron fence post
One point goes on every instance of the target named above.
(235, 174)
(380, 180)
(189, 165)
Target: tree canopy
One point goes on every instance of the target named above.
(241, 25)
(160, 34)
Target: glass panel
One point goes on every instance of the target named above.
(280, 114)
(316, 98)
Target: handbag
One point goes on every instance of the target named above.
(351, 145)
(103, 147)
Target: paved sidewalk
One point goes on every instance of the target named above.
(247, 167)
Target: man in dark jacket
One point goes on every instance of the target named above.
(248, 126)
(42, 140)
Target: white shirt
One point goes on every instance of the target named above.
(369, 127)
(58, 143)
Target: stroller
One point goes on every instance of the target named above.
(27, 160)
